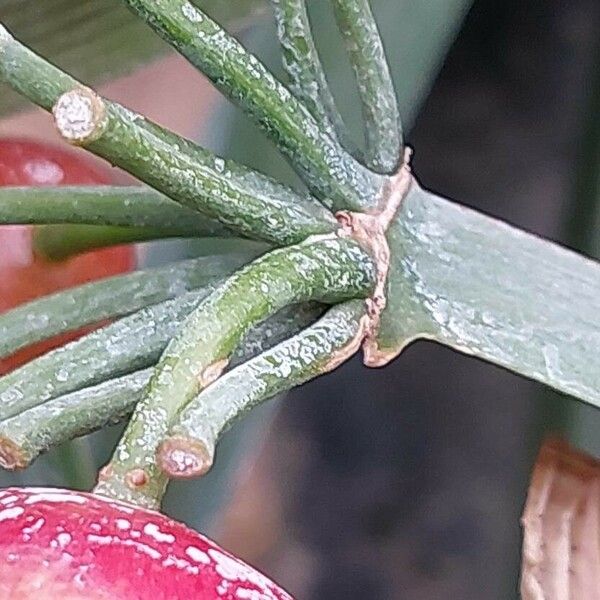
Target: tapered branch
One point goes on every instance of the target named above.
(26, 435)
(132, 206)
(132, 343)
(242, 199)
(106, 299)
(329, 270)
(333, 175)
(189, 449)
(59, 242)
(380, 106)
(301, 60)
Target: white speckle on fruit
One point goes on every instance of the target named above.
(123, 524)
(197, 555)
(8, 500)
(11, 513)
(154, 531)
(55, 497)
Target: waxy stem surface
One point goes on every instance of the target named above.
(327, 269)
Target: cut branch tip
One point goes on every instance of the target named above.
(80, 115)
(12, 456)
(184, 458)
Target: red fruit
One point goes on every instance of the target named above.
(25, 276)
(69, 545)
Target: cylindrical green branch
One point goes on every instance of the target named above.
(131, 343)
(131, 206)
(328, 270)
(188, 450)
(332, 174)
(59, 242)
(383, 130)
(301, 61)
(242, 199)
(108, 298)
(26, 435)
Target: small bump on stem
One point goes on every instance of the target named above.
(212, 372)
(105, 472)
(183, 458)
(80, 116)
(135, 479)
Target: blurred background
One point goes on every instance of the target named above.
(406, 482)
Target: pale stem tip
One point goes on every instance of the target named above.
(11, 455)
(183, 458)
(80, 115)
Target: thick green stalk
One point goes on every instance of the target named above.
(244, 200)
(301, 61)
(383, 131)
(59, 242)
(332, 174)
(26, 435)
(329, 270)
(188, 450)
(131, 206)
(108, 298)
(492, 291)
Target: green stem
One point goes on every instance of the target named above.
(244, 200)
(131, 206)
(329, 270)
(301, 61)
(59, 242)
(75, 462)
(108, 298)
(189, 448)
(332, 174)
(132, 343)
(26, 435)
(380, 106)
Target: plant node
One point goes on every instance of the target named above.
(369, 230)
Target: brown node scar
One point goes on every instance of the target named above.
(180, 457)
(12, 456)
(106, 472)
(369, 230)
(211, 373)
(350, 349)
(136, 478)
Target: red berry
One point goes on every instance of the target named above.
(25, 276)
(69, 545)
